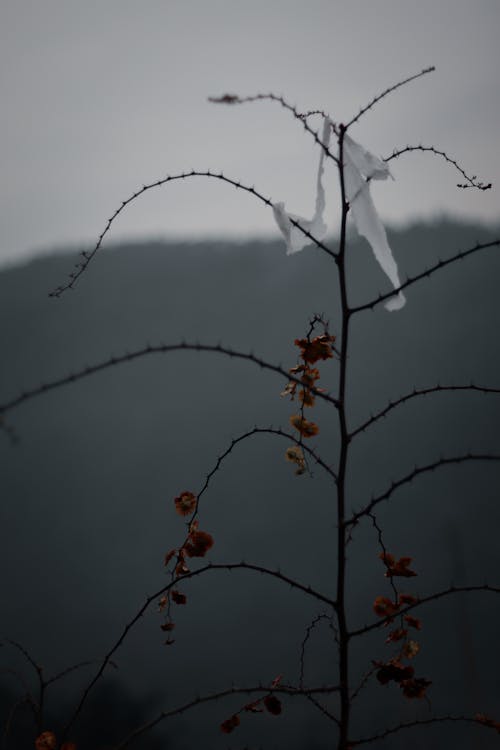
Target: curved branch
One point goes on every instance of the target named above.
(416, 393)
(417, 471)
(260, 431)
(471, 181)
(158, 349)
(425, 274)
(87, 256)
(388, 91)
(162, 591)
(411, 724)
(424, 600)
(309, 630)
(301, 117)
(282, 689)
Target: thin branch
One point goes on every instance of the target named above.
(417, 392)
(309, 630)
(411, 724)
(74, 668)
(10, 718)
(380, 537)
(471, 181)
(199, 700)
(363, 683)
(87, 256)
(425, 274)
(424, 600)
(37, 705)
(388, 91)
(323, 710)
(301, 117)
(417, 471)
(259, 431)
(176, 582)
(9, 430)
(145, 351)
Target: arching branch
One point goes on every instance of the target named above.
(417, 471)
(412, 724)
(424, 600)
(471, 181)
(260, 431)
(425, 274)
(199, 700)
(417, 393)
(148, 350)
(87, 256)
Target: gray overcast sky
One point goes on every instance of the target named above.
(99, 97)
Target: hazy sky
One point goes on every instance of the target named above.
(99, 97)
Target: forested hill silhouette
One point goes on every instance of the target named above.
(86, 492)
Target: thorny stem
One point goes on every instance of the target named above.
(87, 256)
(199, 700)
(163, 590)
(149, 350)
(341, 471)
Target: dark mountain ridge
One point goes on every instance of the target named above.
(87, 513)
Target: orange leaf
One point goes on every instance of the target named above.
(397, 567)
(407, 599)
(396, 635)
(415, 687)
(185, 503)
(46, 741)
(178, 598)
(393, 670)
(198, 544)
(413, 622)
(169, 555)
(272, 704)
(319, 348)
(230, 724)
(487, 721)
(383, 607)
(307, 429)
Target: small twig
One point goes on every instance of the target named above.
(323, 709)
(384, 553)
(388, 91)
(363, 683)
(74, 668)
(309, 630)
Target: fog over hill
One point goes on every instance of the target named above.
(87, 513)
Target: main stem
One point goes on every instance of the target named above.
(341, 473)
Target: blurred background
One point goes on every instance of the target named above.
(103, 97)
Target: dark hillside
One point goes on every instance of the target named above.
(87, 515)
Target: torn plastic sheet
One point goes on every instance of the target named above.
(294, 238)
(360, 166)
